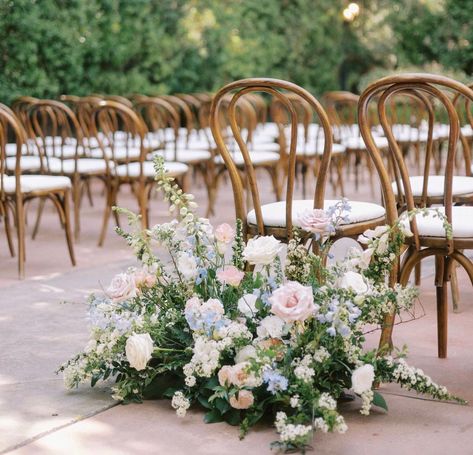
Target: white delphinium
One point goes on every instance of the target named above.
(187, 266)
(206, 357)
(294, 401)
(367, 399)
(302, 369)
(326, 401)
(180, 403)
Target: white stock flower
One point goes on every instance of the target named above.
(270, 326)
(138, 350)
(362, 379)
(245, 353)
(187, 266)
(262, 250)
(247, 305)
(352, 281)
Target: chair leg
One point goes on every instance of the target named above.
(418, 273)
(275, 181)
(67, 226)
(454, 288)
(442, 306)
(6, 219)
(109, 202)
(20, 226)
(39, 213)
(76, 195)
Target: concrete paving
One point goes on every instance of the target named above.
(42, 323)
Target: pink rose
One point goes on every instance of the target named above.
(224, 233)
(242, 400)
(293, 302)
(122, 287)
(224, 375)
(145, 279)
(316, 221)
(230, 275)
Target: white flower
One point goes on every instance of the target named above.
(190, 381)
(262, 250)
(353, 281)
(187, 266)
(247, 305)
(294, 401)
(122, 287)
(138, 350)
(270, 326)
(245, 353)
(362, 379)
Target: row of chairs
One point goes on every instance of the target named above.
(448, 192)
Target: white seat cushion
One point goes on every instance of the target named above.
(357, 142)
(28, 163)
(256, 158)
(84, 166)
(435, 187)
(432, 226)
(119, 153)
(313, 148)
(133, 169)
(31, 183)
(275, 214)
(467, 131)
(265, 147)
(185, 156)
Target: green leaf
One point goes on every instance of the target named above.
(379, 401)
(211, 383)
(233, 417)
(222, 405)
(204, 402)
(213, 416)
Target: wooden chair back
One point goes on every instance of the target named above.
(278, 89)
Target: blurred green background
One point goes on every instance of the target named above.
(50, 47)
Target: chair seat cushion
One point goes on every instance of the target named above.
(432, 226)
(84, 166)
(31, 183)
(435, 187)
(313, 148)
(119, 153)
(185, 156)
(29, 163)
(357, 142)
(256, 158)
(133, 169)
(274, 214)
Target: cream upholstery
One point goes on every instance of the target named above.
(313, 148)
(29, 163)
(84, 166)
(185, 156)
(274, 214)
(256, 158)
(467, 131)
(119, 153)
(357, 142)
(133, 169)
(31, 183)
(461, 185)
(432, 226)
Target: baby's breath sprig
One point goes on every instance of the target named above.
(179, 200)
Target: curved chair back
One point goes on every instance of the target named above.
(278, 89)
(426, 88)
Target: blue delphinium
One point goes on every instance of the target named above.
(275, 381)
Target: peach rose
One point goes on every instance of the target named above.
(293, 302)
(242, 400)
(224, 233)
(230, 275)
(224, 375)
(144, 279)
(122, 287)
(316, 221)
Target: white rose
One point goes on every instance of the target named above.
(122, 287)
(371, 234)
(138, 350)
(262, 250)
(270, 326)
(248, 352)
(247, 305)
(362, 379)
(353, 281)
(187, 266)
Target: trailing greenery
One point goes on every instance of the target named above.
(49, 47)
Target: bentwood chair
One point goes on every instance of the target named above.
(18, 189)
(430, 236)
(128, 152)
(279, 218)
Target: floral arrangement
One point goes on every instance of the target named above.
(232, 327)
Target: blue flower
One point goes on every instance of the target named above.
(202, 275)
(275, 380)
(265, 298)
(331, 331)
